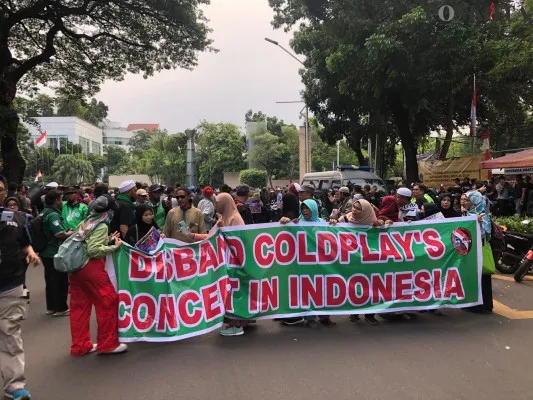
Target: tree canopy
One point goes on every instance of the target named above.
(80, 43)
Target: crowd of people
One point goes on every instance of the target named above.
(141, 214)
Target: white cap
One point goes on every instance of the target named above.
(125, 186)
(403, 191)
(52, 185)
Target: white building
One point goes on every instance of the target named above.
(117, 135)
(74, 129)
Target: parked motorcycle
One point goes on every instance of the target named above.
(526, 267)
(517, 245)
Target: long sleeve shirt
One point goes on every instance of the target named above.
(98, 243)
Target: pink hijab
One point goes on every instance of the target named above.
(230, 214)
(367, 215)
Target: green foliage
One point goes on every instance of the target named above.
(72, 170)
(255, 178)
(140, 142)
(219, 149)
(269, 153)
(514, 224)
(117, 160)
(274, 125)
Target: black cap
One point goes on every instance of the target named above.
(155, 188)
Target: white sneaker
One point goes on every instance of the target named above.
(120, 349)
(95, 347)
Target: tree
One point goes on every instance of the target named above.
(274, 125)
(269, 152)
(140, 142)
(80, 44)
(220, 148)
(253, 177)
(117, 160)
(71, 170)
(97, 162)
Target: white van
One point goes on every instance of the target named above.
(346, 175)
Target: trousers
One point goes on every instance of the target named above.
(13, 309)
(90, 286)
(56, 286)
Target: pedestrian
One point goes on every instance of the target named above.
(90, 286)
(420, 195)
(242, 194)
(25, 201)
(389, 209)
(446, 207)
(197, 196)
(344, 205)
(12, 204)
(55, 232)
(145, 221)
(124, 216)
(141, 197)
(358, 192)
(159, 207)
(184, 220)
(99, 189)
(408, 210)
(73, 211)
(15, 253)
(430, 211)
(207, 207)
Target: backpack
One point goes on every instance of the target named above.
(245, 212)
(36, 232)
(72, 254)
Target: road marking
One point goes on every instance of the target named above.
(510, 313)
(528, 280)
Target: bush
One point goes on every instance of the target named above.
(514, 224)
(254, 178)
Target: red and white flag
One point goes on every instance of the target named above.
(41, 140)
(473, 112)
(38, 176)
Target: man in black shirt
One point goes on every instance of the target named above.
(124, 217)
(14, 247)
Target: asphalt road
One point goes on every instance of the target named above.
(458, 356)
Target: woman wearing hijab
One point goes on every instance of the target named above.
(430, 211)
(446, 207)
(389, 209)
(90, 286)
(207, 207)
(473, 203)
(144, 215)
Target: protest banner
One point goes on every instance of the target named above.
(433, 173)
(272, 271)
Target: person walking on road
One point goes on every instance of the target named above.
(124, 216)
(55, 232)
(90, 286)
(15, 252)
(73, 211)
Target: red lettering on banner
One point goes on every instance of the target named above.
(167, 318)
(140, 266)
(434, 247)
(327, 247)
(237, 257)
(388, 250)
(227, 286)
(404, 286)
(144, 304)
(348, 245)
(453, 285)
(406, 243)
(437, 285)
(367, 255)
(382, 290)
(417, 237)
(253, 297)
(335, 291)
(264, 259)
(422, 285)
(124, 320)
(312, 291)
(269, 294)
(304, 257)
(362, 282)
(221, 249)
(186, 265)
(285, 257)
(163, 269)
(294, 291)
(208, 258)
(188, 319)
(211, 301)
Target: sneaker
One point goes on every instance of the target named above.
(371, 320)
(232, 331)
(327, 322)
(293, 321)
(312, 324)
(65, 313)
(122, 348)
(95, 347)
(354, 318)
(50, 312)
(19, 394)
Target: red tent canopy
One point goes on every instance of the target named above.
(522, 159)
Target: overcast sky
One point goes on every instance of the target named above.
(247, 73)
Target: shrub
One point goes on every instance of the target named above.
(254, 178)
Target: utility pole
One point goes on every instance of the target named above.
(191, 158)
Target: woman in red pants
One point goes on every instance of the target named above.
(90, 286)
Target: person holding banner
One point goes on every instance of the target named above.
(90, 286)
(145, 233)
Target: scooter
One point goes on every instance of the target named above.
(517, 245)
(526, 267)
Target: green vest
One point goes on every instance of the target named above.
(73, 216)
(159, 214)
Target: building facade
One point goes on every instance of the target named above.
(117, 135)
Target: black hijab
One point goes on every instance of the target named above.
(291, 206)
(430, 209)
(143, 227)
(448, 212)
